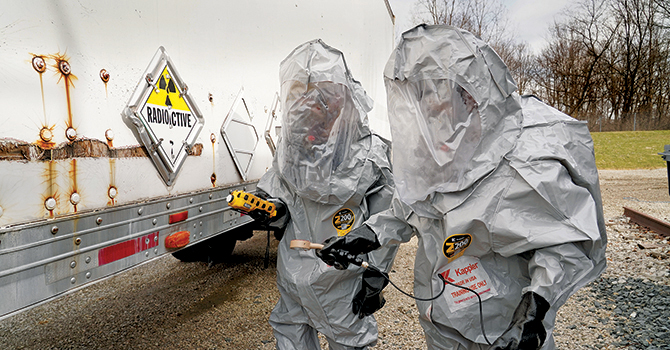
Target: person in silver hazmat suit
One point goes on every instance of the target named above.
(501, 190)
(330, 173)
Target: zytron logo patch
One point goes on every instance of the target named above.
(343, 221)
(455, 245)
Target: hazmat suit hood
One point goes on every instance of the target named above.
(324, 116)
(452, 111)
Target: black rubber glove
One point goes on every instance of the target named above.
(340, 251)
(370, 297)
(526, 331)
(263, 218)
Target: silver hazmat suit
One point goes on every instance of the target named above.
(332, 173)
(501, 190)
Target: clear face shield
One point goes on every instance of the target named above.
(312, 116)
(318, 128)
(436, 129)
(448, 119)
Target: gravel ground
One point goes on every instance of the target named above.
(167, 304)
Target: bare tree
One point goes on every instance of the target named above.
(607, 62)
(486, 19)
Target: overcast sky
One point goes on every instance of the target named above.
(532, 18)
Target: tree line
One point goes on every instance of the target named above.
(606, 62)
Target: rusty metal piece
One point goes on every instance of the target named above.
(112, 192)
(11, 149)
(54, 229)
(77, 241)
(50, 204)
(195, 150)
(150, 80)
(659, 226)
(71, 133)
(46, 135)
(213, 178)
(212, 138)
(184, 91)
(75, 198)
(98, 220)
(109, 135)
(210, 97)
(104, 75)
(64, 67)
(39, 65)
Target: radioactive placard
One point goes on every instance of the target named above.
(166, 118)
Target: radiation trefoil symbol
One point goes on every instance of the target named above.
(167, 119)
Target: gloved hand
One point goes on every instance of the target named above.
(370, 297)
(263, 217)
(526, 331)
(260, 216)
(339, 251)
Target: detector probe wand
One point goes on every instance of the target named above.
(307, 245)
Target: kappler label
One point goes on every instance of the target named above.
(466, 271)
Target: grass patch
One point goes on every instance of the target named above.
(630, 149)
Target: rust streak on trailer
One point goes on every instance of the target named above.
(104, 76)
(659, 226)
(112, 191)
(46, 131)
(73, 179)
(212, 138)
(51, 191)
(40, 66)
(63, 67)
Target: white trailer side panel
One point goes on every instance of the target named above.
(80, 197)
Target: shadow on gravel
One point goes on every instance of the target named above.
(222, 290)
